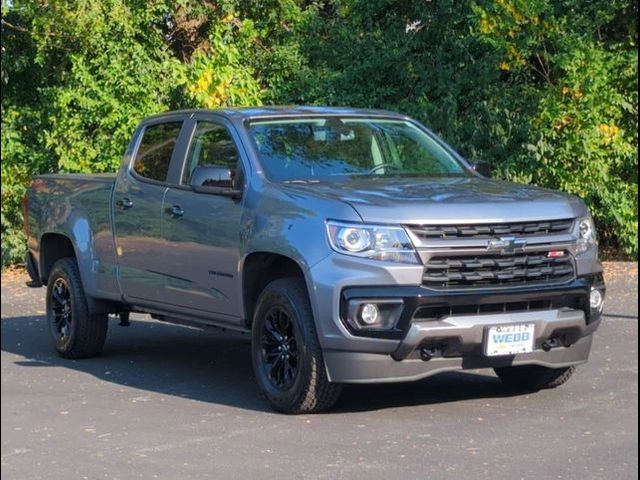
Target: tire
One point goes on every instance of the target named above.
(534, 377)
(76, 333)
(292, 377)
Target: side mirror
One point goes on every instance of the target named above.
(215, 180)
(212, 176)
(483, 168)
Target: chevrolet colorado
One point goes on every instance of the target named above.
(353, 246)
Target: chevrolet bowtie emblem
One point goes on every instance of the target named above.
(506, 245)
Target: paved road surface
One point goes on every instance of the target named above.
(175, 403)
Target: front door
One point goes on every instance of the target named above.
(202, 231)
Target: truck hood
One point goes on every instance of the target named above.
(448, 200)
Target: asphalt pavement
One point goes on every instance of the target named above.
(171, 402)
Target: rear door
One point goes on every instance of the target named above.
(137, 214)
(201, 231)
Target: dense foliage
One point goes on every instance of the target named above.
(546, 90)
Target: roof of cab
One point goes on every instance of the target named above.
(244, 113)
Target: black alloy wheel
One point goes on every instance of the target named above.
(61, 306)
(280, 348)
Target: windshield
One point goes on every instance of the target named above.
(308, 149)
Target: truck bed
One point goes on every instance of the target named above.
(77, 206)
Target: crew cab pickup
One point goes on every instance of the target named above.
(353, 246)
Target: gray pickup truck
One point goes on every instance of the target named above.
(354, 246)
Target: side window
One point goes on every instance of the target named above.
(212, 147)
(155, 150)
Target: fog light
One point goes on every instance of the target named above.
(596, 300)
(369, 314)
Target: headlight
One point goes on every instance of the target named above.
(389, 244)
(586, 234)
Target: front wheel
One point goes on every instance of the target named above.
(76, 332)
(287, 358)
(534, 377)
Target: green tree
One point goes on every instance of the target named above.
(546, 90)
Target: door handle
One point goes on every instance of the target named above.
(125, 204)
(175, 211)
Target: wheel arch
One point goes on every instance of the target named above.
(53, 247)
(261, 268)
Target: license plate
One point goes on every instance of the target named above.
(509, 339)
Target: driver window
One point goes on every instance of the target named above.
(211, 146)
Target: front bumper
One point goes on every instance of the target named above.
(562, 338)
(359, 367)
(454, 341)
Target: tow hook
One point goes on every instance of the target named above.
(427, 352)
(547, 345)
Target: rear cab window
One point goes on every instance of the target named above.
(156, 149)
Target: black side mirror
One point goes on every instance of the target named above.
(215, 180)
(483, 168)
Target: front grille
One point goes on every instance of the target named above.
(482, 271)
(552, 227)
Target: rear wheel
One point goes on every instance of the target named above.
(534, 377)
(76, 333)
(287, 358)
